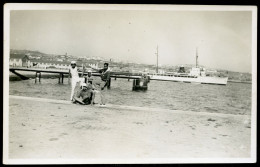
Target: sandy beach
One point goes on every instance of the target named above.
(57, 129)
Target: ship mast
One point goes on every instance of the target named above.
(197, 57)
(157, 60)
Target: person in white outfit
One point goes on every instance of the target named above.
(73, 73)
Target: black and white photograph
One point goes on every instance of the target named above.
(129, 84)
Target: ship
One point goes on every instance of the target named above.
(196, 75)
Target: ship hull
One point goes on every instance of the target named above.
(198, 80)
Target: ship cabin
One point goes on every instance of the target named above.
(182, 72)
(181, 69)
(198, 71)
(194, 72)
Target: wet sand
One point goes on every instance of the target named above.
(58, 129)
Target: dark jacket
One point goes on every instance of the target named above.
(105, 75)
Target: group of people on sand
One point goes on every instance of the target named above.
(85, 89)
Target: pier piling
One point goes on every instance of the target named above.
(35, 77)
(62, 77)
(109, 83)
(140, 84)
(40, 77)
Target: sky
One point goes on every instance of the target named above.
(223, 38)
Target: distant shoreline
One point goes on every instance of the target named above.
(13, 77)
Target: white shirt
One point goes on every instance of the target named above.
(74, 73)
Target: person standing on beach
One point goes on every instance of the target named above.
(105, 76)
(74, 75)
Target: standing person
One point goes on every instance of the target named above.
(105, 76)
(74, 75)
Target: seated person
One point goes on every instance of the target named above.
(77, 88)
(89, 78)
(85, 95)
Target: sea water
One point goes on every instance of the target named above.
(234, 98)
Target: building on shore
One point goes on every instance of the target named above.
(19, 60)
(63, 65)
(45, 64)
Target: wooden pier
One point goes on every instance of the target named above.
(62, 73)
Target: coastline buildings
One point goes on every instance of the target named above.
(49, 64)
(19, 60)
(59, 62)
(35, 59)
(63, 65)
